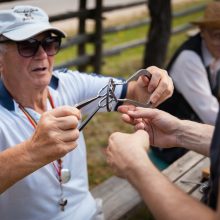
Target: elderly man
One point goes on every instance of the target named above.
(126, 153)
(34, 131)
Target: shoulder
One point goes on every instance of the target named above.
(189, 56)
(75, 77)
(188, 59)
(187, 65)
(67, 73)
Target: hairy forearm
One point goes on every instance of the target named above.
(195, 136)
(15, 164)
(165, 201)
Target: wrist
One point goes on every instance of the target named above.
(139, 169)
(182, 127)
(30, 156)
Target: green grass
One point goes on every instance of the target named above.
(124, 64)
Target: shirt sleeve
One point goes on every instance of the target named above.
(190, 79)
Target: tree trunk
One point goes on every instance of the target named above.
(159, 33)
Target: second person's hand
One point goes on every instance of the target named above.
(162, 127)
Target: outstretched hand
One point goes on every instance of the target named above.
(161, 126)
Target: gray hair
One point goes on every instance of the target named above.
(2, 46)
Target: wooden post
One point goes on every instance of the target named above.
(82, 30)
(159, 33)
(97, 59)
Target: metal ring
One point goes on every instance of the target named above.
(110, 96)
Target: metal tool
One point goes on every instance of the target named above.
(203, 186)
(101, 94)
(107, 97)
(135, 76)
(141, 72)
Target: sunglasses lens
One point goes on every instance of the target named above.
(51, 45)
(28, 48)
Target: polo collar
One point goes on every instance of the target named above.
(6, 100)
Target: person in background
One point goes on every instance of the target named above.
(43, 173)
(195, 69)
(126, 154)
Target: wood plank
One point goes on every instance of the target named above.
(119, 197)
(182, 165)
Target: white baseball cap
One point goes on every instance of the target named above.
(23, 22)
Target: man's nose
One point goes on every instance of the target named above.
(41, 53)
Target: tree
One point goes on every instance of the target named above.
(159, 32)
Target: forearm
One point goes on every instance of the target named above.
(195, 136)
(15, 164)
(164, 200)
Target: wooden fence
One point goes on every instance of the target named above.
(96, 38)
(82, 38)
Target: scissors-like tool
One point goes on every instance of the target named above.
(101, 94)
(107, 97)
(135, 76)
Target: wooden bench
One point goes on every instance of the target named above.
(120, 198)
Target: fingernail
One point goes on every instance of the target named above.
(152, 101)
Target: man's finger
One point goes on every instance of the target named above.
(65, 111)
(67, 122)
(69, 135)
(125, 108)
(143, 113)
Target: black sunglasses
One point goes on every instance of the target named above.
(29, 48)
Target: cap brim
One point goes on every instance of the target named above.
(28, 31)
(207, 24)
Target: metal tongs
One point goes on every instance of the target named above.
(101, 104)
(135, 76)
(107, 97)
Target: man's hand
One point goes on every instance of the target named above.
(56, 135)
(126, 151)
(162, 127)
(156, 90)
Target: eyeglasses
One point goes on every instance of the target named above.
(214, 35)
(29, 48)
